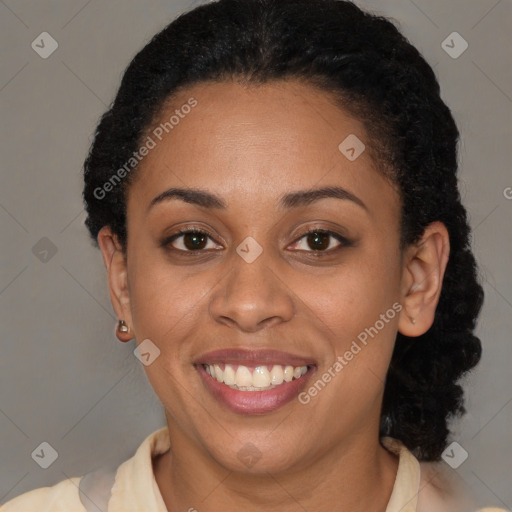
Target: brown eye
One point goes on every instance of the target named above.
(319, 240)
(191, 240)
(315, 241)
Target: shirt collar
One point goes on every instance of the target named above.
(404, 497)
(135, 487)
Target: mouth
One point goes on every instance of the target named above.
(254, 382)
(254, 378)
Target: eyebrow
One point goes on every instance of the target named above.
(296, 199)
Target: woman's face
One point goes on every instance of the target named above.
(257, 287)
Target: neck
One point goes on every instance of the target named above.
(359, 476)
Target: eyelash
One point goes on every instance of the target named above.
(343, 241)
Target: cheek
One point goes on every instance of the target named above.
(354, 296)
(166, 309)
(163, 298)
(359, 309)
(359, 318)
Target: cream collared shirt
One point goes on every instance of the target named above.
(135, 488)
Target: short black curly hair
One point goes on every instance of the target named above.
(379, 77)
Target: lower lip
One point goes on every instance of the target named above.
(254, 402)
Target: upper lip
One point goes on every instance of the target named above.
(247, 357)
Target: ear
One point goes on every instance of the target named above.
(115, 263)
(422, 278)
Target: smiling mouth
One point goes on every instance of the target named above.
(254, 378)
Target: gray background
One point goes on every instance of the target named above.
(64, 377)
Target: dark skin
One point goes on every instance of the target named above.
(250, 146)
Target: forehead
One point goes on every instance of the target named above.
(254, 141)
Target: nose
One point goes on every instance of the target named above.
(253, 296)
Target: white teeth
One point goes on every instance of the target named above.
(229, 375)
(218, 372)
(277, 375)
(243, 376)
(257, 379)
(260, 377)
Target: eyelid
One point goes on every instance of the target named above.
(183, 231)
(344, 242)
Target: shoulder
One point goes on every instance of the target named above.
(440, 491)
(134, 477)
(81, 494)
(61, 497)
(428, 486)
(492, 509)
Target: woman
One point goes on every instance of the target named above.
(274, 193)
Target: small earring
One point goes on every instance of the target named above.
(122, 327)
(413, 320)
